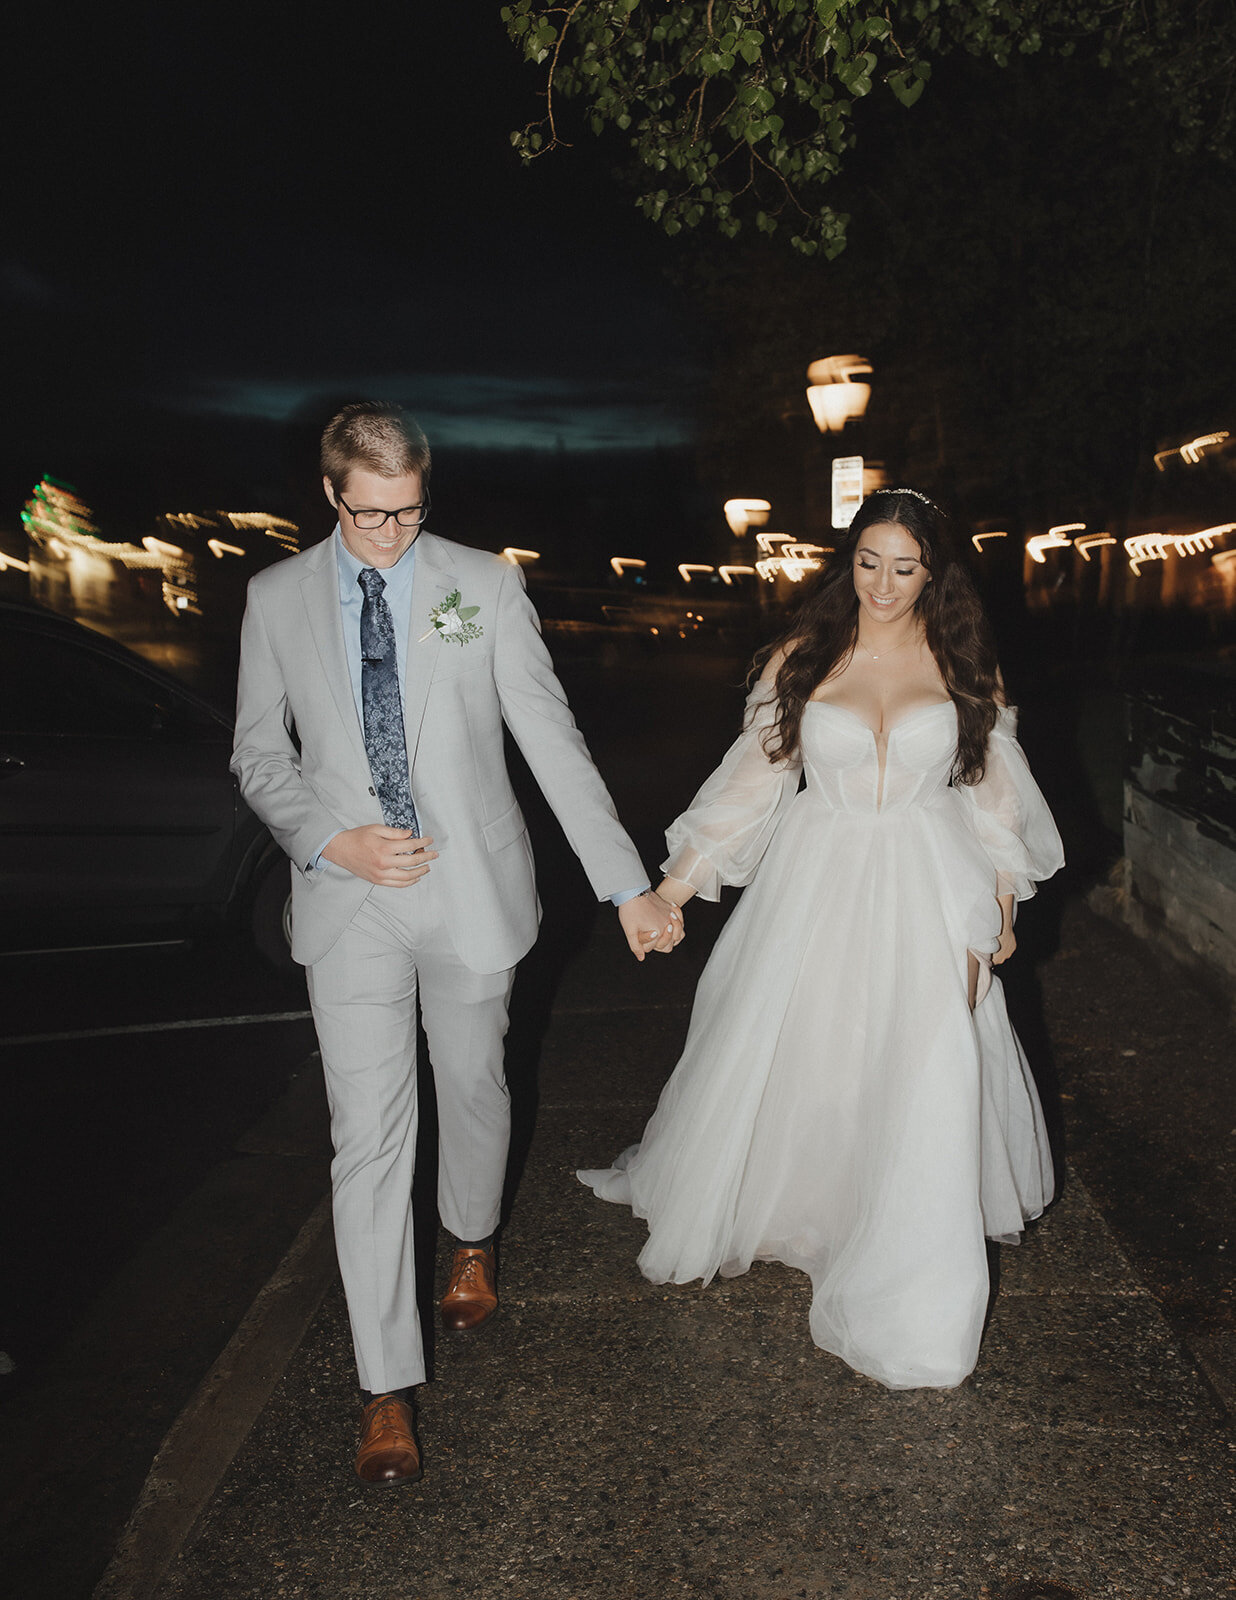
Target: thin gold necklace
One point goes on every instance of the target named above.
(891, 647)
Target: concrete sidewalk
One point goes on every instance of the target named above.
(605, 1437)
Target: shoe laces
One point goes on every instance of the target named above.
(469, 1272)
(386, 1415)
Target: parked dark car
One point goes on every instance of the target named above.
(119, 819)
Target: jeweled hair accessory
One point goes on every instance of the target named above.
(917, 495)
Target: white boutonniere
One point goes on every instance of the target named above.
(454, 621)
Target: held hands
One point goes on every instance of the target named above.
(391, 857)
(651, 923)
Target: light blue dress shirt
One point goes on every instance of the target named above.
(398, 596)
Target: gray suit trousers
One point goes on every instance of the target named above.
(364, 995)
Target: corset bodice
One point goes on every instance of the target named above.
(842, 758)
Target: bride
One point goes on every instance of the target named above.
(852, 1099)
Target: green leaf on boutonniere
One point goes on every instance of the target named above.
(453, 622)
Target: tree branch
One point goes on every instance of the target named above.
(568, 14)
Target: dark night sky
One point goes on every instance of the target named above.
(223, 221)
(224, 218)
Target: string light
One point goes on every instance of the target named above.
(1143, 547)
(1191, 452)
(1053, 539)
(1193, 544)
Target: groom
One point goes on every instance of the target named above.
(377, 670)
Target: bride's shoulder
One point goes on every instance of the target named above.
(776, 660)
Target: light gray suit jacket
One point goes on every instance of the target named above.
(300, 751)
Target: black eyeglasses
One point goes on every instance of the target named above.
(406, 516)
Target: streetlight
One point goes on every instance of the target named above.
(833, 394)
(744, 514)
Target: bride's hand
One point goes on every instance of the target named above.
(674, 892)
(1008, 939)
(650, 923)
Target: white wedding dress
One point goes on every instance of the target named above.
(837, 1106)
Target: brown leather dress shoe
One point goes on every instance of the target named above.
(472, 1293)
(387, 1451)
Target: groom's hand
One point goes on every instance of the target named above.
(391, 857)
(651, 923)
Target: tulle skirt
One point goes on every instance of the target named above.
(838, 1107)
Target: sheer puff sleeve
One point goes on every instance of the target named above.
(1009, 814)
(721, 837)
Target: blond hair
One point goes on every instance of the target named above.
(376, 436)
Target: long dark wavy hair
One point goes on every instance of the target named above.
(824, 631)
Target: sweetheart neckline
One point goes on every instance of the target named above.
(935, 705)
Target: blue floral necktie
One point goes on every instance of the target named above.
(383, 709)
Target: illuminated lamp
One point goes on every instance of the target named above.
(1053, 539)
(833, 395)
(744, 514)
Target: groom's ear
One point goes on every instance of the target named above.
(330, 492)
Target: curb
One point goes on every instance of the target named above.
(202, 1441)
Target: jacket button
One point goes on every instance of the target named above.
(372, 790)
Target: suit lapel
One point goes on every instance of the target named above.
(432, 580)
(319, 592)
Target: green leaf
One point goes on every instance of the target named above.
(466, 613)
(906, 87)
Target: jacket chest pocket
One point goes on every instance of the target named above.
(458, 660)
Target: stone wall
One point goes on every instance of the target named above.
(1176, 884)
